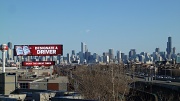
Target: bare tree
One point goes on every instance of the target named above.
(103, 82)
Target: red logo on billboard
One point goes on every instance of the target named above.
(38, 63)
(38, 50)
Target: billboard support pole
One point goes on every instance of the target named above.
(38, 71)
(26, 71)
(51, 70)
(4, 59)
(38, 67)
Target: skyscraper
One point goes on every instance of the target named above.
(10, 45)
(174, 50)
(85, 48)
(169, 48)
(73, 52)
(173, 56)
(132, 53)
(81, 54)
(169, 45)
(10, 51)
(68, 58)
(119, 56)
(122, 57)
(111, 55)
(87, 56)
(82, 47)
(157, 50)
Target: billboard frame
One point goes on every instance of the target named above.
(34, 51)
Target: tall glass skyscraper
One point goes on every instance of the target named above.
(169, 46)
(157, 50)
(174, 50)
(82, 47)
(68, 58)
(85, 48)
(10, 51)
(132, 53)
(119, 56)
(73, 52)
(111, 54)
(10, 45)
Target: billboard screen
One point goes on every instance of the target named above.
(38, 63)
(38, 50)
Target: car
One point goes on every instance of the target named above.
(168, 81)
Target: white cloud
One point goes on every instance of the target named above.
(87, 31)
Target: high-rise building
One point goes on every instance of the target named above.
(178, 59)
(142, 58)
(174, 50)
(132, 53)
(59, 59)
(106, 59)
(122, 56)
(157, 50)
(73, 52)
(10, 45)
(10, 54)
(119, 56)
(9, 51)
(95, 57)
(73, 58)
(126, 58)
(111, 55)
(87, 56)
(81, 56)
(105, 54)
(82, 47)
(101, 59)
(163, 55)
(142, 53)
(68, 58)
(169, 48)
(85, 48)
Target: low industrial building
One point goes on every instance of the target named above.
(8, 83)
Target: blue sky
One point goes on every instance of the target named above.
(101, 24)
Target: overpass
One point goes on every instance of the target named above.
(158, 90)
(174, 84)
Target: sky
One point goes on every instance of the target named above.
(102, 24)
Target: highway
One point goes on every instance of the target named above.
(160, 82)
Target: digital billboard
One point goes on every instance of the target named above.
(38, 50)
(38, 63)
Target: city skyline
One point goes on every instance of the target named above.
(83, 48)
(120, 25)
(85, 56)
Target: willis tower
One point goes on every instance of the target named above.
(169, 48)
